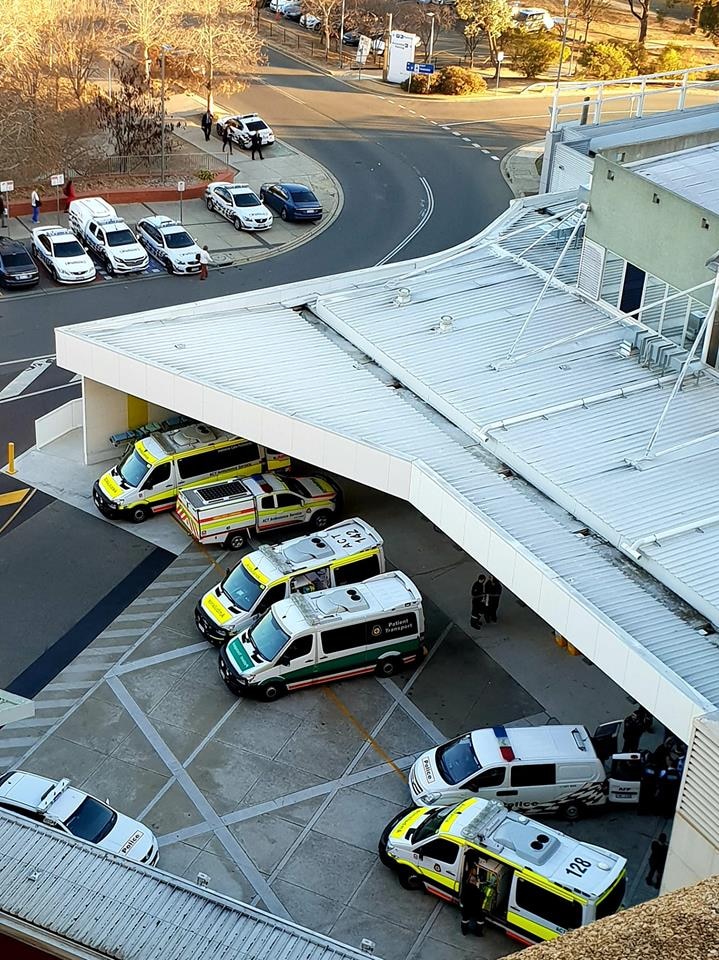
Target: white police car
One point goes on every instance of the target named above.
(242, 128)
(238, 203)
(169, 243)
(62, 255)
(56, 804)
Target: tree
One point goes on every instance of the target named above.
(605, 61)
(709, 21)
(641, 9)
(417, 19)
(328, 12)
(146, 24)
(490, 17)
(81, 41)
(588, 11)
(131, 117)
(532, 53)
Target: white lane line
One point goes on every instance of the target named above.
(434, 122)
(412, 111)
(148, 615)
(455, 134)
(154, 601)
(176, 654)
(18, 742)
(8, 363)
(130, 632)
(492, 157)
(53, 704)
(445, 126)
(467, 123)
(485, 151)
(423, 221)
(466, 139)
(37, 393)
(31, 722)
(413, 711)
(478, 146)
(23, 380)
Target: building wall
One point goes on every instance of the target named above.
(666, 238)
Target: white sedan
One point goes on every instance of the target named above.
(241, 129)
(62, 255)
(239, 204)
(72, 811)
(169, 243)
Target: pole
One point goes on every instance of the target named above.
(162, 131)
(499, 70)
(342, 34)
(564, 43)
(431, 37)
(387, 40)
(57, 197)
(11, 457)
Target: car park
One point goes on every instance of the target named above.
(292, 11)
(169, 243)
(59, 805)
(96, 224)
(372, 627)
(344, 553)
(310, 22)
(293, 201)
(17, 267)
(242, 127)
(238, 203)
(62, 255)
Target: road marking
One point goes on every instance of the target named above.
(485, 151)
(455, 134)
(434, 122)
(494, 158)
(423, 221)
(22, 506)
(466, 139)
(477, 145)
(37, 393)
(445, 127)
(362, 730)
(25, 378)
(15, 496)
(412, 711)
(466, 123)
(143, 662)
(7, 363)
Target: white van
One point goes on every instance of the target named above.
(371, 627)
(96, 224)
(539, 770)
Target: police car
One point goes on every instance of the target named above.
(62, 255)
(169, 242)
(72, 811)
(242, 128)
(239, 204)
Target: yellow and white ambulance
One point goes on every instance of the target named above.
(152, 472)
(344, 553)
(225, 512)
(539, 882)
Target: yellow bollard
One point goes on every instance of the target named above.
(11, 457)
(572, 650)
(559, 639)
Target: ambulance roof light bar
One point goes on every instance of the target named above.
(504, 744)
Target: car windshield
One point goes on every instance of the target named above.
(430, 826)
(178, 240)
(256, 125)
(303, 196)
(92, 820)
(242, 588)
(457, 760)
(246, 199)
(268, 637)
(19, 259)
(68, 248)
(296, 486)
(119, 238)
(133, 469)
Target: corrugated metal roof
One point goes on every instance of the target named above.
(692, 174)
(120, 909)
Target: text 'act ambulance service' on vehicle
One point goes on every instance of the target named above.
(225, 512)
(344, 553)
(149, 477)
(539, 883)
(371, 627)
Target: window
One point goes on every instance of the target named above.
(387, 628)
(94, 229)
(613, 900)
(488, 778)
(300, 647)
(159, 475)
(45, 242)
(559, 911)
(344, 638)
(442, 850)
(288, 500)
(271, 596)
(534, 775)
(268, 502)
(357, 570)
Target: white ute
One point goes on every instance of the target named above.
(96, 224)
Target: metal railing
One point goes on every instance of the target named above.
(148, 165)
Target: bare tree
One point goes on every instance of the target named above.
(328, 12)
(588, 11)
(146, 24)
(415, 18)
(132, 117)
(641, 9)
(81, 41)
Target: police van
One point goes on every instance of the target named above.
(343, 553)
(371, 627)
(540, 883)
(152, 472)
(227, 511)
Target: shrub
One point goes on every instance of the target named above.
(421, 83)
(639, 57)
(605, 61)
(206, 176)
(673, 58)
(531, 54)
(459, 82)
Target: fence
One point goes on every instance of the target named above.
(149, 165)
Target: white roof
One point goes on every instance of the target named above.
(692, 174)
(183, 439)
(415, 424)
(97, 901)
(552, 742)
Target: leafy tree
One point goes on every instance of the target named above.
(132, 117)
(641, 9)
(328, 12)
(588, 11)
(605, 61)
(146, 24)
(709, 21)
(672, 58)
(532, 53)
(492, 18)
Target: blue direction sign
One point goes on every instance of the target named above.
(419, 67)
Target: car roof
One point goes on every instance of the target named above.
(8, 245)
(161, 222)
(294, 186)
(56, 232)
(235, 187)
(551, 743)
(24, 789)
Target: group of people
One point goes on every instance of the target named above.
(206, 124)
(486, 592)
(36, 203)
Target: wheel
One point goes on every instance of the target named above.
(53, 274)
(168, 266)
(283, 213)
(573, 810)
(109, 267)
(321, 520)
(209, 204)
(409, 879)
(272, 690)
(387, 667)
(139, 513)
(237, 223)
(235, 540)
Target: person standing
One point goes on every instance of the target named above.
(3, 212)
(493, 591)
(668, 785)
(657, 859)
(207, 124)
(35, 203)
(256, 145)
(479, 600)
(471, 899)
(69, 191)
(205, 260)
(226, 138)
(633, 729)
(648, 787)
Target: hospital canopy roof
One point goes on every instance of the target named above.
(438, 406)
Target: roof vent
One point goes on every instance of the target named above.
(404, 295)
(446, 323)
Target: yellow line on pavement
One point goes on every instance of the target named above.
(24, 503)
(331, 695)
(15, 496)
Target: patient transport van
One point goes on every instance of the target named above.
(225, 512)
(371, 627)
(538, 882)
(343, 553)
(152, 472)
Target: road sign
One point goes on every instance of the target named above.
(363, 48)
(7, 186)
(180, 186)
(500, 55)
(426, 68)
(57, 179)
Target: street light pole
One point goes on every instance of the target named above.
(564, 43)
(162, 129)
(342, 34)
(431, 36)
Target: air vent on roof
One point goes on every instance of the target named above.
(404, 295)
(707, 629)
(446, 324)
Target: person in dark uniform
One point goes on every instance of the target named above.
(633, 729)
(648, 786)
(657, 859)
(471, 902)
(493, 592)
(479, 601)
(256, 145)
(668, 792)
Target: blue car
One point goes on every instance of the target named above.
(292, 201)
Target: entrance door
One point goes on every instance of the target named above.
(438, 860)
(632, 289)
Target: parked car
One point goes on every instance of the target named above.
(169, 243)
(17, 267)
(239, 204)
(96, 224)
(310, 22)
(62, 255)
(242, 128)
(292, 11)
(532, 19)
(278, 6)
(293, 201)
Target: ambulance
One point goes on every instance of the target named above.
(371, 627)
(226, 512)
(541, 883)
(343, 553)
(154, 469)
